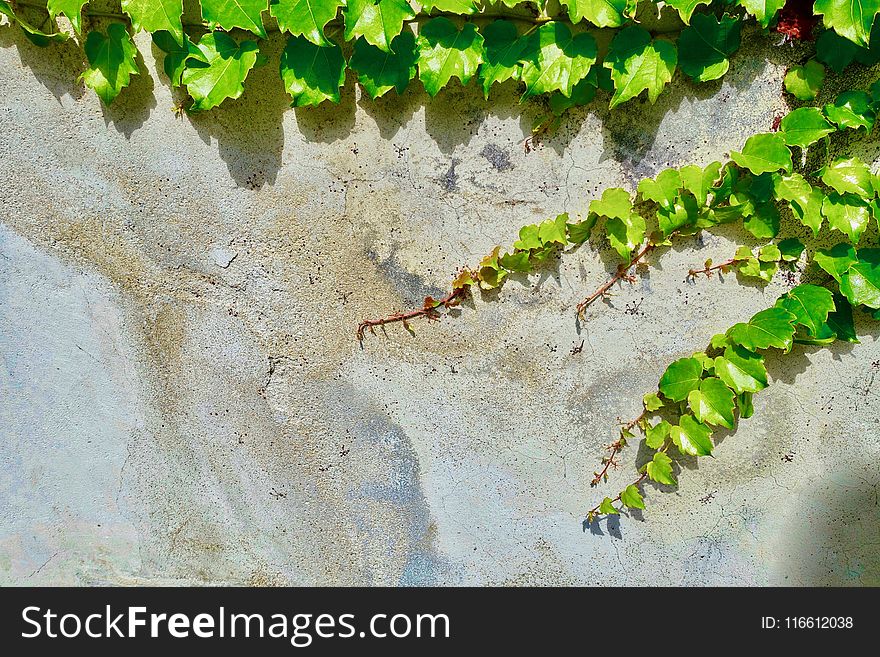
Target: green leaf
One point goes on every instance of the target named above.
(309, 17)
(849, 18)
(579, 232)
(705, 46)
(810, 304)
(502, 50)
(803, 82)
(763, 10)
(772, 327)
(852, 109)
(111, 62)
(835, 51)
(553, 231)
(656, 435)
(660, 469)
(741, 369)
(763, 223)
(235, 13)
(176, 55)
(849, 175)
(684, 212)
(607, 507)
(652, 402)
(861, 283)
(70, 8)
(380, 71)
(632, 498)
(692, 436)
(639, 63)
(312, 74)
(517, 261)
(804, 200)
(601, 13)
(840, 322)
(491, 273)
(837, 261)
(680, 378)
(764, 153)
(615, 202)
(156, 15)
(790, 249)
(461, 7)
(377, 21)
(686, 8)
(805, 126)
(625, 234)
(712, 404)
(700, 181)
(35, 36)
(529, 238)
(847, 213)
(219, 70)
(769, 253)
(755, 268)
(663, 189)
(445, 51)
(746, 407)
(554, 60)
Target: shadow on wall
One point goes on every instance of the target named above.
(250, 134)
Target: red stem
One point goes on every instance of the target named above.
(693, 273)
(619, 275)
(427, 311)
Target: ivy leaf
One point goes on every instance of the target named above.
(663, 189)
(639, 63)
(632, 498)
(746, 407)
(660, 469)
(741, 369)
(451, 6)
(772, 327)
(852, 109)
(849, 18)
(803, 82)
(491, 273)
(70, 8)
(176, 55)
(607, 507)
(840, 322)
(769, 253)
(804, 200)
(764, 153)
(837, 261)
(700, 181)
(377, 21)
(556, 60)
(529, 238)
(764, 11)
(155, 15)
(705, 46)
(445, 51)
(805, 126)
(763, 223)
(652, 402)
(502, 50)
(835, 51)
(235, 13)
(684, 212)
(582, 93)
(755, 268)
(309, 17)
(380, 71)
(111, 61)
(311, 73)
(656, 435)
(692, 436)
(847, 213)
(517, 261)
(680, 378)
(849, 175)
(219, 70)
(713, 403)
(625, 228)
(790, 249)
(615, 202)
(810, 304)
(553, 231)
(579, 232)
(861, 283)
(601, 13)
(35, 36)
(686, 8)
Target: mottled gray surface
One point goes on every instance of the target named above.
(182, 398)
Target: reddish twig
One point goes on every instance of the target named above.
(592, 513)
(615, 448)
(708, 269)
(620, 274)
(428, 311)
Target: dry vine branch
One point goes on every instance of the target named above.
(615, 448)
(620, 274)
(428, 310)
(724, 267)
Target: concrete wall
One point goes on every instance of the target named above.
(182, 399)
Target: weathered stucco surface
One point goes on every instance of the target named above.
(182, 398)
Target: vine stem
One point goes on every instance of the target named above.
(620, 274)
(693, 273)
(429, 311)
(615, 449)
(594, 511)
